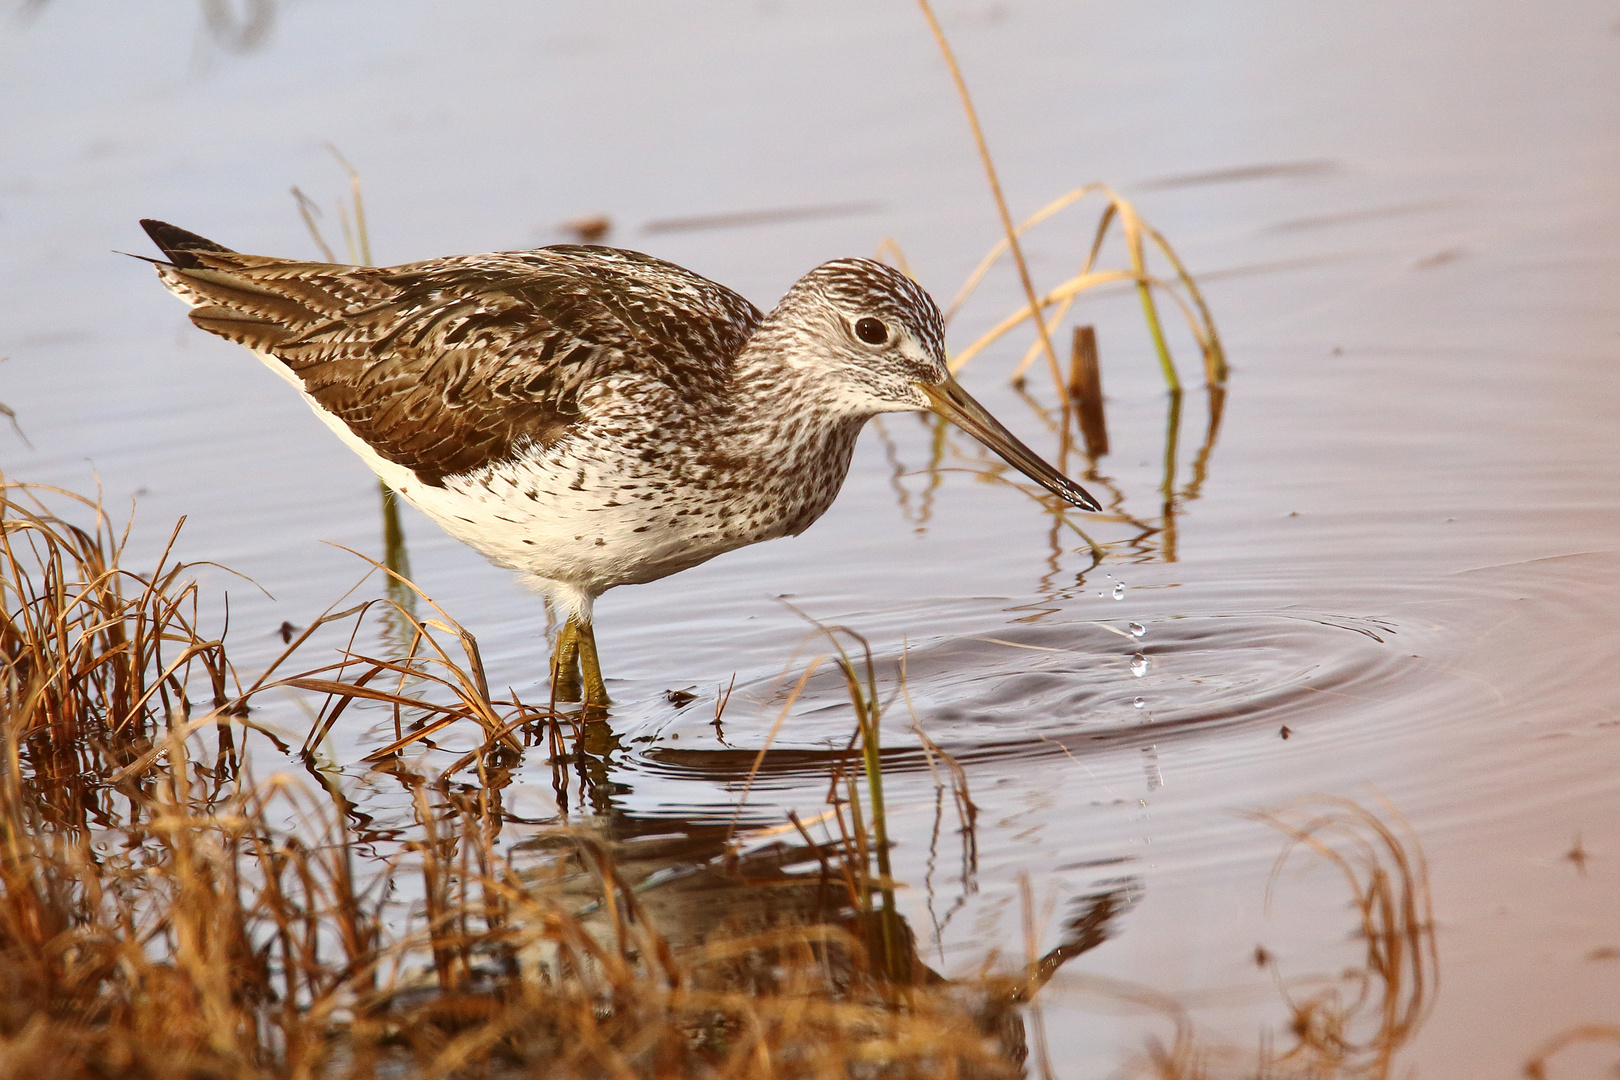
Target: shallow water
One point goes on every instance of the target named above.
(1398, 546)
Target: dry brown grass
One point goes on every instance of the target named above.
(163, 912)
(1349, 1026)
(1153, 269)
(1537, 1068)
(167, 912)
(1140, 240)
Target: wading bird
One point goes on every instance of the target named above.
(587, 416)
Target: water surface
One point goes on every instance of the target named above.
(1398, 545)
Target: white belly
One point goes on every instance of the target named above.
(578, 519)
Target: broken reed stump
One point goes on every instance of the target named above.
(1085, 391)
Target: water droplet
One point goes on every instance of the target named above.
(1140, 703)
(1137, 629)
(1138, 665)
(1119, 590)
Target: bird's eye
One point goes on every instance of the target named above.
(872, 331)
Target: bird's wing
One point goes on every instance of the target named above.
(448, 365)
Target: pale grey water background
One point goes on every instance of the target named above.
(1421, 438)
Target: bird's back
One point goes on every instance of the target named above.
(452, 365)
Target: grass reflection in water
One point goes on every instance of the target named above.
(167, 908)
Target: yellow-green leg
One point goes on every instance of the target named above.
(595, 689)
(576, 655)
(565, 664)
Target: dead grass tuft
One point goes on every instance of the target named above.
(164, 912)
(1350, 1026)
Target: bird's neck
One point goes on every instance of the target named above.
(786, 417)
(781, 385)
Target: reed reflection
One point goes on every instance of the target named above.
(1348, 1024)
(366, 921)
(237, 26)
(1148, 538)
(1078, 419)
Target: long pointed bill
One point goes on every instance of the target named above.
(954, 404)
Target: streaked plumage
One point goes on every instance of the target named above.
(591, 417)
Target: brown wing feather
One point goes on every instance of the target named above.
(449, 365)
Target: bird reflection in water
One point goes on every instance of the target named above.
(776, 918)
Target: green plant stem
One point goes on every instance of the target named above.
(1150, 311)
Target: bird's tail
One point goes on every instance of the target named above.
(179, 245)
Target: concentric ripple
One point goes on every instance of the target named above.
(1050, 689)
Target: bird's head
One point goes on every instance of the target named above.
(871, 336)
(874, 340)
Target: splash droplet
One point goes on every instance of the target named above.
(1137, 629)
(1140, 703)
(1119, 590)
(1138, 665)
